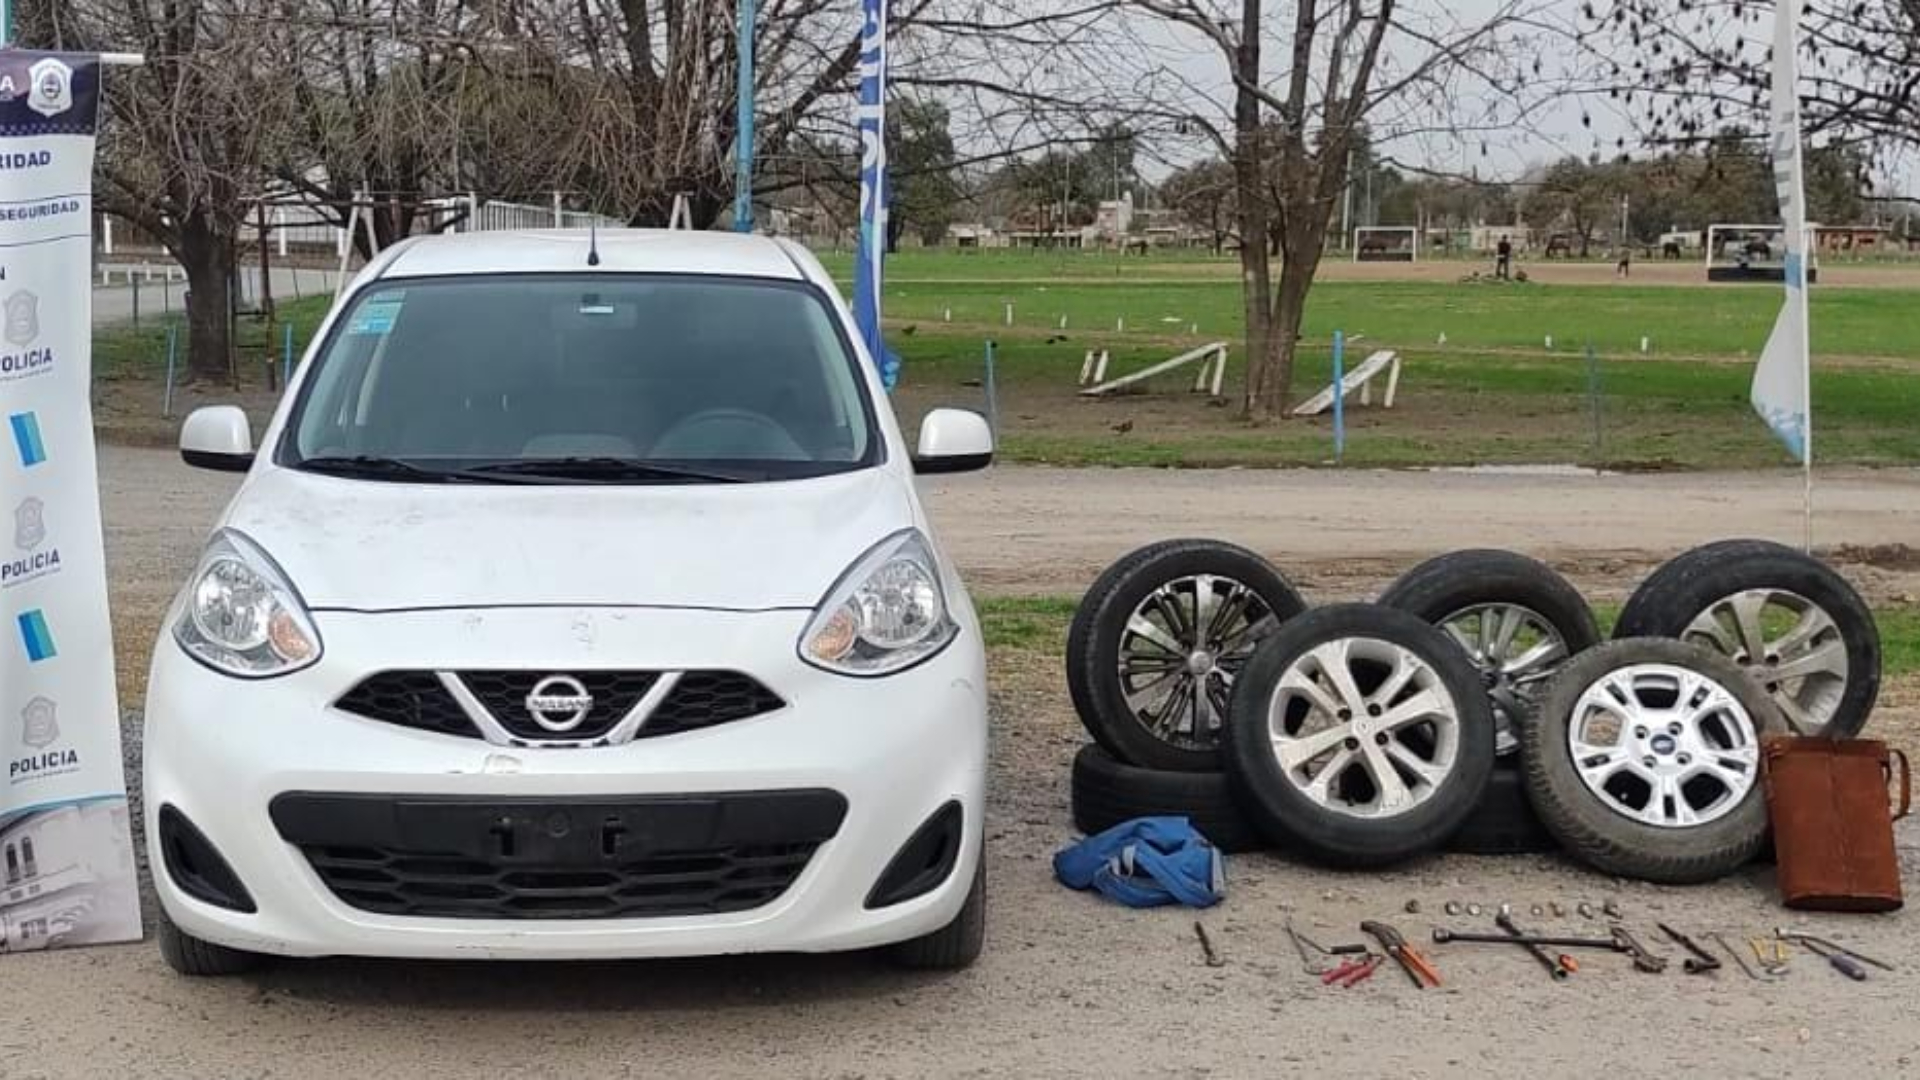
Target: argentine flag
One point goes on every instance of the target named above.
(1782, 381)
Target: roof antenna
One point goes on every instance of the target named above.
(593, 242)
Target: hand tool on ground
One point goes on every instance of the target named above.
(1701, 962)
(1395, 945)
(1737, 958)
(1206, 946)
(1805, 939)
(1307, 963)
(1554, 967)
(1772, 954)
(1621, 941)
(1842, 963)
(1352, 970)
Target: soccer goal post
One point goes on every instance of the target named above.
(1753, 253)
(1386, 243)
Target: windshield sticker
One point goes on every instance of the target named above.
(375, 316)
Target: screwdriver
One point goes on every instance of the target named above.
(1842, 963)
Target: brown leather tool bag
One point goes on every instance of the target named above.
(1833, 822)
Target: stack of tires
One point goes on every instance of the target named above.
(1473, 707)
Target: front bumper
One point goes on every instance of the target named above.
(896, 749)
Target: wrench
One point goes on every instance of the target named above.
(1701, 962)
(1555, 968)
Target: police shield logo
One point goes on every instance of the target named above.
(38, 728)
(29, 524)
(22, 318)
(50, 87)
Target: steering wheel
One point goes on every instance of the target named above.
(724, 433)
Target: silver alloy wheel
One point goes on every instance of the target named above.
(1664, 745)
(1363, 727)
(1788, 643)
(1182, 646)
(1516, 650)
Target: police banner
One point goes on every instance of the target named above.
(870, 252)
(68, 875)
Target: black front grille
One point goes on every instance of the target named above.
(414, 699)
(504, 693)
(608, 858)
(699, 699)
(705, 698)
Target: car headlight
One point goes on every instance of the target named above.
(240, 615)
(886, 613)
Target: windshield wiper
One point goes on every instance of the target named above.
(602, 469)
(371, 467)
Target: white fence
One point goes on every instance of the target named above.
(305, 229)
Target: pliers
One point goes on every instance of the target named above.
(1394, 944)
(1351, 971)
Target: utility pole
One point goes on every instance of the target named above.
(743, 125)
(1346, 204)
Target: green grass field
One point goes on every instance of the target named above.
(1491, 393)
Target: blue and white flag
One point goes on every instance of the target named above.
(1782, 392)
(870, 256)
(68, 876)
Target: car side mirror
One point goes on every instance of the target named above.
(953, 440)
(217, 437)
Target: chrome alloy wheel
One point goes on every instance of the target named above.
(1788, 643)
(1363, 727)
(1664, 745)
(1516, 651)
(1181, 649)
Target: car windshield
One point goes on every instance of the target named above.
(589, 378)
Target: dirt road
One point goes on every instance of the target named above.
(1070, 986)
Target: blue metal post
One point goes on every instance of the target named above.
(1339, 395)
(993, 394)
(166, 401)
(286, 357)
(743, 147)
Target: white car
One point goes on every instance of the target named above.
(578, 603)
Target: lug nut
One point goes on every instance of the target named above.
(1373, 710)
(1640, 732)
(1381, 738)
(1647, 761)
(1351, 743)
(1686, 759)
(1673, 728)
(1345, 714)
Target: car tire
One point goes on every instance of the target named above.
(1523, 605)
(959, 943)
(188, 955)
(1100, 634)
(1604, 828)
(1504, 822)
(1695, 598)
(1313, 680)
(1106, 792)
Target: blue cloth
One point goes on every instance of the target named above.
(1146, 862)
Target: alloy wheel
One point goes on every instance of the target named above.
(1363, 727)
(1788, 643)
(1182, 647)
(1664, 745)
(1516, 650)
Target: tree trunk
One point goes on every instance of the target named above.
(208, 259)
(1267, 399)
(1249, 183)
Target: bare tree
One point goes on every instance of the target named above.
(183, 136)
(1346, 69)
(1687, 69)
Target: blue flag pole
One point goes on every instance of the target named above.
(871, 253)
(1339, 396)
(743, 123)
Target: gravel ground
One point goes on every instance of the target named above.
(1070, 986)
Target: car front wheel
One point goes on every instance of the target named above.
(956, 945)
(190, 956)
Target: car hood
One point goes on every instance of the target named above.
(374, 546)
